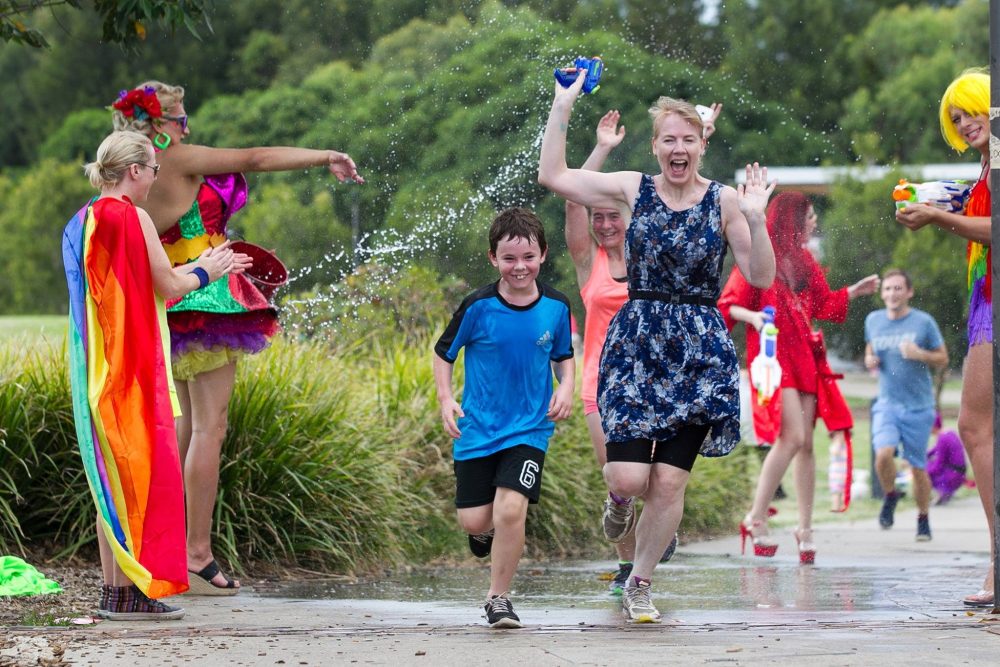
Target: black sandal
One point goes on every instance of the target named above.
(201, 582)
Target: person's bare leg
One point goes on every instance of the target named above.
(626, 547)
(885, 468)
(182, 424)
(805, 468)
(975, 427)
(793, 428)
(209, 396)
(510, 510)
(112, 574)
(921, 489)
(663, 508)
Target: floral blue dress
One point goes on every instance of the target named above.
(669, 365)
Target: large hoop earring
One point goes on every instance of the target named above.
(161, 141)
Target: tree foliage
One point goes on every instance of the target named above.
(123, 23)
(442, 104)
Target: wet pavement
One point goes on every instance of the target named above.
(873, 596)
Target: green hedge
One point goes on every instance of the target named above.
(334, 461)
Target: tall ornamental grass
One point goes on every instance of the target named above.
(335, 460)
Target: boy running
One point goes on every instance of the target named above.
(512, 331)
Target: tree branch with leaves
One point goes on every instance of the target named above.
(125, 22)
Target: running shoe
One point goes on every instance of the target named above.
(887, 516)
(923, 528)
(637, 603)
(621, 578)
(481, 545)
(618, 519)
(500, 613)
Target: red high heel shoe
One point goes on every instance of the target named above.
(760, 548)
(807, 550)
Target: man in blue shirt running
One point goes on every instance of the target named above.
(515, 332)
(903, 343)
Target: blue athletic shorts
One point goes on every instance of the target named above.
(895, 426)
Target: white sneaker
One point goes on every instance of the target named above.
(637, 603)
(618, 520)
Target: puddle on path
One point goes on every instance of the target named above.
(689, 589)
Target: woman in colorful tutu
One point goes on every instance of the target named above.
(965, 122)
(198, 189)
(123, 397)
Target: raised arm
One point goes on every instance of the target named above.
(194, 160)
(579, 242)
(745, 226)
(589, 188)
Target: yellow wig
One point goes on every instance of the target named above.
(970, 92)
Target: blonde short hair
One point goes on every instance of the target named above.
(970, 92)
(168, 96)
(118, 150)
(668, 105)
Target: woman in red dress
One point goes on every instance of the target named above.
(799, 295)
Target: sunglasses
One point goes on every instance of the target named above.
(154, 167)
(180, 120)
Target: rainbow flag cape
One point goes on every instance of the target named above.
(124, 401)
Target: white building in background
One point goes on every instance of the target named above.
(817, 180)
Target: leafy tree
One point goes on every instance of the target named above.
(35, 211)
(124, 23)
(903, 61)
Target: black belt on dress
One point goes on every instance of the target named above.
(670, 297)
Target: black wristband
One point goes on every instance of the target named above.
(202, 276)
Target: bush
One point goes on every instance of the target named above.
(335, 462)
(335, 458)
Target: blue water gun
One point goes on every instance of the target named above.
(765, 372)
(594, 67)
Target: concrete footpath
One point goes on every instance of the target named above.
(873, 597)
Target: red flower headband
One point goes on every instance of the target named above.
(140, 104)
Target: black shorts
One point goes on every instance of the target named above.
(680, 451)
(518, 468)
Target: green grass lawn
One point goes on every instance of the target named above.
(32, 326)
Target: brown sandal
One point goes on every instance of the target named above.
(201, 582)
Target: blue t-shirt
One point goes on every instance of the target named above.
(906, 382)
(508, 379)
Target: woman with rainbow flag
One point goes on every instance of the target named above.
(124, 400)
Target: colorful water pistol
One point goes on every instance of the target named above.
(594, 67)
(948, 196)
(765, 372)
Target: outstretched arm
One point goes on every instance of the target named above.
(201, 160)
(916, 216)
(589, 188)
(745, 228)
(578, 239)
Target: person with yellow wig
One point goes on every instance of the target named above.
(965, 122)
